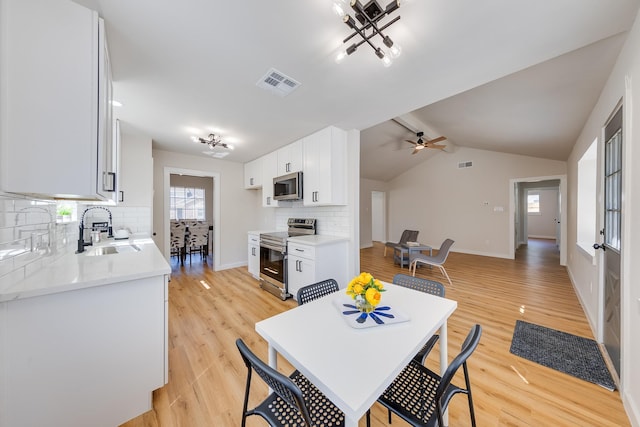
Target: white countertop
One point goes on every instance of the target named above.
(316, 239)
(77, 271)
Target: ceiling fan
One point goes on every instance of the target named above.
(426, 143)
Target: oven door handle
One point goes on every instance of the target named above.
(272, 247)
(271, 270)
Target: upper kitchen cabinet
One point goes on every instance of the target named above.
(290, 158)
(325, 166)
(57, 139)
(269, 171)
(253, 174)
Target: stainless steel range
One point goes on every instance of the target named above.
(273, 255)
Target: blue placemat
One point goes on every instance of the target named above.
(382, 315)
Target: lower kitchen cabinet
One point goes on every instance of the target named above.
(84, 357)
(253, 256)
(315, 258)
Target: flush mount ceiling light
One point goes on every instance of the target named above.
(212, 141)
(368, 24)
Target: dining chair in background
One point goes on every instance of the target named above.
(177, 239)
(316, 290)
(198, 238)
(294, 400)
(420, 396)
(429, 287)
(407, 236)
(438, 260)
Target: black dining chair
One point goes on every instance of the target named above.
(429, 287)
(316, 290)
(294, 401)
(420, 396)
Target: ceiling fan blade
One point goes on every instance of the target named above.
(415, 151)
(439, 147)
(438, 139)
(411, 142)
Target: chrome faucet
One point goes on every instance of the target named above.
(81, 243)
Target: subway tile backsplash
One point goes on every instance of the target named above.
(332, 220)
(30, 237)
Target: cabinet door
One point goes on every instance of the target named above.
(325, 167)
(290, 158)
(106, 185)
(253, 174)
(254, 260)
(301, 272)
(269, 171)
(48, 58)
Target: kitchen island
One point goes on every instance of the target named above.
(83, 341)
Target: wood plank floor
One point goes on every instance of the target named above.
(207, 376)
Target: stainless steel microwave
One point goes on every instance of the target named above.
(288, 187)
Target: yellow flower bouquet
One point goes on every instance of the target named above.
(366, 292)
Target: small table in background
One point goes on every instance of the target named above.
(402, 254)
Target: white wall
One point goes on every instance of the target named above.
(624, 82)
(442, 201)
(238, 212)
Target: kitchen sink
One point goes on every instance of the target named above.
(102, 250)
(113, 248)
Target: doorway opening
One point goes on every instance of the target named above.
(213, 206)
(544, 217)
(378, 216)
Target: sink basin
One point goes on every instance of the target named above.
(102, 250)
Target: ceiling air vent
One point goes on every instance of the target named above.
(463, 165)
(216, 154)
(278, 83)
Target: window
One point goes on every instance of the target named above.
(533, 203)
(187, 203)
(587, 198)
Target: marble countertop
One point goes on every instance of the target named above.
(316, 239)
(135, 258)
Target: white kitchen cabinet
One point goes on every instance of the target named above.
(136, 172)
(253, 174)
(56, 111)
(269, 171)
(253, 256)
(325, 168)
(84, 357)
(290, 158)
(311, 262)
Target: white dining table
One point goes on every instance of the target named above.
(353, 366)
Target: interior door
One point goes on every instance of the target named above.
(612, 237)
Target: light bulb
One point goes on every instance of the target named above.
(386, 61)
(195, 139)
(337, 8)
(340, 56)
(395, 50)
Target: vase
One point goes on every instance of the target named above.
(363, 305)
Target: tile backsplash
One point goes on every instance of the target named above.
(332, 220)
(30, 237)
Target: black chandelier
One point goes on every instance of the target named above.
(368, 24)
(213, 141)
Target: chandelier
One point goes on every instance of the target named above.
(368, 24)
(212, 141)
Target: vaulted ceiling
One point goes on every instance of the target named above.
(502, 75)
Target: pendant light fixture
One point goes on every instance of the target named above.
(212, 141)
(368, 24)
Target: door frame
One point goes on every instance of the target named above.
(215, 206)
(513, 184)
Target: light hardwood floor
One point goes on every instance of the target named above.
(207, 376)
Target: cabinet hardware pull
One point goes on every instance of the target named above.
(109, 178)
